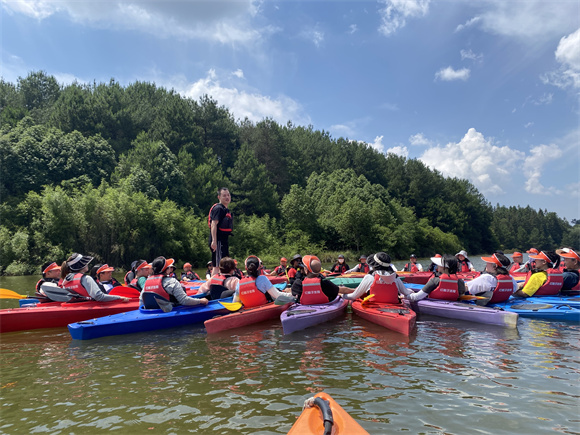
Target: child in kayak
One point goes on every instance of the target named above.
(382, 281)
(224, 283)
(445, 286)
(255, 289)
(543, 261)
(142, 271)
(496, 272)
(319, 290)
(73, 272)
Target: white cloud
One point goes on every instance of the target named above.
(533, 165)
(448, 74)
(244, 104)
(238, 73)
(469, 54)
(468, 23)
(390, 106)
(341, 130)
(529, 124)
(314, 35)
(419, 139)
(477, 159)
(399, 151)
(378, 144)
(395, 13)
(352, 28)
(223, 21)
(568, 55)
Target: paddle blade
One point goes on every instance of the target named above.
(231, 306)
(125, 291)
(366, 299)
(284, 299)
(470, 297)
(9, 294)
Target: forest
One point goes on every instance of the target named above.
(123, 173)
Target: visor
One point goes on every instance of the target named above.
(307, 260)
(105, 268)
(52, 266)
(570, 254)
(532, 251)
(541, 256)
(144, 265)
(438, 261)
(517, 254)
(493, 259)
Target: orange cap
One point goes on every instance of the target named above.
(437, 256)
(283, 259)
(186, 265)
(307, 260)
(532, 251)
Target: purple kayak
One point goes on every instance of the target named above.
(465, 311)
(300, 316)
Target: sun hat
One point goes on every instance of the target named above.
(380, 260)
(78, 261)
(462, 252)
(105, 268)
(296, 257)
(438, 261)
(49, 267)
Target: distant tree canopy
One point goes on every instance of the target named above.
(131, 172)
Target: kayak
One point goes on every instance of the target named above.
(278, 279)
(424, 277)
(396, 317)
(59, 314)
(540, 309)
(143, 320)
(350, 282)
(323, 415)
(245, 317)
(572, 301)
(300, 316)
(464, 311)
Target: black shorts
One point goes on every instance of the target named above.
(222, 250)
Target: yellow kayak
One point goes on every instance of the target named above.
(321, 415)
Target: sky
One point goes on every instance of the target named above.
(486, 90)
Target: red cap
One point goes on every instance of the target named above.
(532, 251)
(437, 256)
(105, 268)
(283, 259)
(51, 266)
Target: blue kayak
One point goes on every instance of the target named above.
(540, 308)
(143, 320)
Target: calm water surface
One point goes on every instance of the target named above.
(450, 377)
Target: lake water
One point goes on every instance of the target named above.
(449, 377)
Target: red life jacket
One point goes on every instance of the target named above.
(226, 223)
(553, 284)
(447, 289)
(503, 290)
(218, 279)
(340, 268)
(463, 266)
(75, 284)
(411, 267)
(280, 270)
(383, 292)
(312, 293)
(154, 284)
(126, 279)
(249, 293)
(363, 267)
(515, 267)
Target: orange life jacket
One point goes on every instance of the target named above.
(312, 293)
(503, 290)
(383, 292)
(249, 293)
(411, 267)
(447, 289)
(553, 284)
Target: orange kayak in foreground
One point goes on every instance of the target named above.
(323, 416)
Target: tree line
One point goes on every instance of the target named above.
(131, 172)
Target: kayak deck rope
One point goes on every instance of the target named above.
(324, 407)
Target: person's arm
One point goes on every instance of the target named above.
(173, 287)
(481, 284)
(214, 225)
(361, 289)
(354, 269)
(532, 286)
(419, 267)
(96, 293)
(424, 292)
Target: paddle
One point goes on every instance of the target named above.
(231, 306)
(284, 299)
(470, 297)
(125, 291)
(9, 294)
(366, 299)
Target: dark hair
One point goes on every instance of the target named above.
(158, 264)
(252, 266)
(450, 262)
(227, 265)
(222, 188)
(502, 270)
(44, 266)
(554, 258)
(93, 271)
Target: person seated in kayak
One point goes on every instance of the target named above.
(73, 272)
(382, 281)
(412, 265)
(340, 266)
(518, 263)
(571, 272)
(131, 273)
(530, 264)
(209, 270)
(445, 286)
(163, 291)
(361, 267)
(188, 274)
(315, 288)
(433, 267)
(539, 275)
(51, 274)
(495, 283)
(224, 283)
(296, 270)
(280, 270)
(255, 289)
(170, 270)
(142, 271)
(463, 263)
(105, 280)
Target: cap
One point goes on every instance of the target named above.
(51, 266)
(283, 259)
(532, 251)
(307, 260)
(186, 265)
(208, 263)
(105, 268)
(517, 254)
(570, 254)
(78, 261)
(341, 256)
(412, 256)
(437, 256)
(362, 257)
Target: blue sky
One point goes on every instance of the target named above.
(486, 90)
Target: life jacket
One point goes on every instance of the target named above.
(43, 280)
(154, 286)
(411, 267)
(515, 267)
(189, 275)
(447, 288)
(292, 272)
(340, 268)
(312, 293)
(383, 292)
(553, 284)
(218, 279)
(249, 293)
(503, 290)
(363, 267)
(226, 224)
(463, 266)
(280, 270)
(135, 283)
(75, 285)
(129, 277)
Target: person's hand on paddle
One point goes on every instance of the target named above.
(203, 301)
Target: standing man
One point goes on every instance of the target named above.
(220, 223)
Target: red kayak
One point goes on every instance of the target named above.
(278, 279)
(245, 317)
(56, 315)
(396, 317)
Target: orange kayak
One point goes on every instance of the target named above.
(323, 416)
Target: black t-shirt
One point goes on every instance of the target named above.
(329, 288)
(225, 221)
